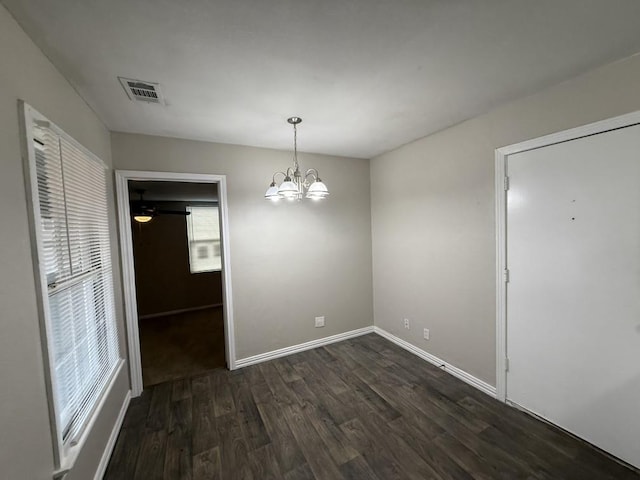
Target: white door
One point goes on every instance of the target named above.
(573, 297)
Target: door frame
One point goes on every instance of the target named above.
(122, 178)
(501, 188)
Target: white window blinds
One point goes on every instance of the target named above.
(75, 261)
(203, 232)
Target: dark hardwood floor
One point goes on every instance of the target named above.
(181, 345)
(359, 409)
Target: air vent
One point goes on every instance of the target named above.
(142, 91)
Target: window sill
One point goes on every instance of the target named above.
(69, 454)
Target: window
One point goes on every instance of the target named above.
(203, 232)
(69, 197)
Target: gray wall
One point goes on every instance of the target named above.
(433, 215)
(290, 262)
(25, 439)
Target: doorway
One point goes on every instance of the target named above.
(176, 272)
(570, 309)
(175, 230)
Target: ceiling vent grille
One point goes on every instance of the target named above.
(141, 91)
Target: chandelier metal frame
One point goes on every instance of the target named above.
(295, 185)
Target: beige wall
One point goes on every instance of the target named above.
(289, 262)
(26, 450)
(433, 215)
(164, 282)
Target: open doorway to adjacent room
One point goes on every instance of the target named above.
(175, 231)
(176, 275)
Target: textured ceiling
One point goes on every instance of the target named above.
(365, 75)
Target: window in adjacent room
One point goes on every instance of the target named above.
(68, 192)
(203, 233)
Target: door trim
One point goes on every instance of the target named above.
(128, 271)
(501, 186)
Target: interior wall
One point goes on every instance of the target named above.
(290, 262)
(164, 282)
(433, 220)
(26, 449)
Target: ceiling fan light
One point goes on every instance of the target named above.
(143, 218)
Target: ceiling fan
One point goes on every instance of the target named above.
(143, 212)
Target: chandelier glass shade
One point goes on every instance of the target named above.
(295, 185)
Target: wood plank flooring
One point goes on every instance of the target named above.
(181, 345)
(358, 409)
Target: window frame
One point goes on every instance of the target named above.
(65, 451)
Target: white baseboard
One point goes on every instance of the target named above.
(451, 369)
(176, 312)
(111, 443)
(447, 367)
(282, 352)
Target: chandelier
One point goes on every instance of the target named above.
(295, 185)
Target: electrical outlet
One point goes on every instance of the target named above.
(319, 322)
(426, 334)
(406, 323)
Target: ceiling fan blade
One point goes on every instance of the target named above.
(142, 210)
(172, 212)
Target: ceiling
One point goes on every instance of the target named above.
(173, 191)
(366, 76)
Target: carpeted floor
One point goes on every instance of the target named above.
(180, 346)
